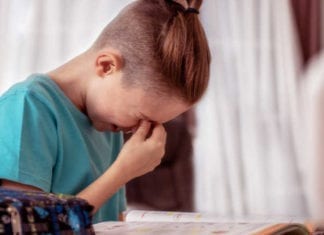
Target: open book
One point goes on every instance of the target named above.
(139, 222)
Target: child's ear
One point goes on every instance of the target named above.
(107, 63)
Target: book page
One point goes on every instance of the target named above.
(171, 216)
(180, 228)
(141, 222)
(168, 216)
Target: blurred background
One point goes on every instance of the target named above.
(252, 146)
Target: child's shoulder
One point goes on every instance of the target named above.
(37, 85)
(33, 82)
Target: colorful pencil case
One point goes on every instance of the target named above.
(32, 212)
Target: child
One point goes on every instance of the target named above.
(61, 132)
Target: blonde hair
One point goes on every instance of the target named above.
(163, 45)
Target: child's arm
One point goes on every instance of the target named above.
(19, 186)
(138, 156)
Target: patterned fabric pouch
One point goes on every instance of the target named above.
(31, 212)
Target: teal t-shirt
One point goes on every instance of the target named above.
(45, 141)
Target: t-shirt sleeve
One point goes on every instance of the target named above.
(122, 203)
(122, 200)
(28, 140)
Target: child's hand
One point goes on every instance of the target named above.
(142, 153)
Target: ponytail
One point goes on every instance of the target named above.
(185, 53)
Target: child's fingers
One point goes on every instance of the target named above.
(159, 133)
(142, 130)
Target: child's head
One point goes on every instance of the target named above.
(163, 47)
(160, 59)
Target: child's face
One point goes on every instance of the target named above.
(110, 106)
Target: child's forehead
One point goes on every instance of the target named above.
(163, 110)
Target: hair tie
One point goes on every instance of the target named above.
(191, 10)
